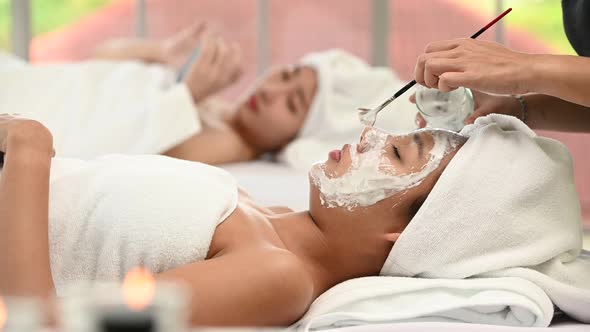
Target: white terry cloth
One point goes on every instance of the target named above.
(117, 212)
(379, 300)
(345, 83)
(99, 107)
(505, 206)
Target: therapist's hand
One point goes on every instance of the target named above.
(475, 64)
(218, 66)
(484, 104)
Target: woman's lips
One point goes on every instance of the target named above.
(335, 155)
(253, 104)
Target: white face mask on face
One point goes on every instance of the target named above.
(371, 176)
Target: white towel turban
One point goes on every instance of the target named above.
(505, 206)
(345, 83)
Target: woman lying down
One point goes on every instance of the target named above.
(245, 264)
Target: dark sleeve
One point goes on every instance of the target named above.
(576, 22)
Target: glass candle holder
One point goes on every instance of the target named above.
(444, 110)
(104, 308)
(20, 314)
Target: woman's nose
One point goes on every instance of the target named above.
(363, 144)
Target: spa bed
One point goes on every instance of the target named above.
(275, 184)
(561, 326)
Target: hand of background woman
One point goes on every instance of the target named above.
(475, 64)
(484, 104)
(176, 49)
(219, 65)
(25, 135)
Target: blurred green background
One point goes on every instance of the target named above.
(48, 15)
(542, 18)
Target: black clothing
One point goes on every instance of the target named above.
(576, 21)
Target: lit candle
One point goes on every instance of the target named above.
(136, 314)
(20, 314)
(139, 305)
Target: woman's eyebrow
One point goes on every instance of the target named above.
(420, 143)
(305, 100)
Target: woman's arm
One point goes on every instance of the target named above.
(250, 287)
(490, 67)
(213, 146)
(172, 51)
(563, 76)
(24, 197)
(551, 113)
(131, 49)
(542, 111)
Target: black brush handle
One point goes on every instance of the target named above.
(404, 89)
(1, 159)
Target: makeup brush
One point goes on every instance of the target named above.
(369, 116)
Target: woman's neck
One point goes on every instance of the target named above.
(234, 124)
(331, 257)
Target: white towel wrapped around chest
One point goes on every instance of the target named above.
(118, 212)
(99, 107)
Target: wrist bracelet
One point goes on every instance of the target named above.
(523, 106)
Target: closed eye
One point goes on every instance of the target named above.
(291, 106)
(285, 75)
(396, 152)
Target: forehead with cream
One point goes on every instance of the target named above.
(372, 176)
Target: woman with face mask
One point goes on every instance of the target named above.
(244, 264)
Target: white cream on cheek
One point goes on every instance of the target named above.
(371, 177)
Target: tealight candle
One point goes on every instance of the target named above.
(139, 305)
(20, 314)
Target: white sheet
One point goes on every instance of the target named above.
(272, 184)
(562, 326)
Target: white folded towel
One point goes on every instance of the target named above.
(116, 212)
(99, 107)
(375, 300)
(505, 206)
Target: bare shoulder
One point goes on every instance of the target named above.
(287, 286)
(250, 286)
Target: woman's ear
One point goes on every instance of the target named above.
(392, 237)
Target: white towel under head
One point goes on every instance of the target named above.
(114, 213)
(378, 300)
(506, 205)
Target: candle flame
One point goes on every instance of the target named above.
(3, 314)
(139, 287)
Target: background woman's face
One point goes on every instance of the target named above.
(274, 112)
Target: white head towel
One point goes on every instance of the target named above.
(345, 83)
(506, 205)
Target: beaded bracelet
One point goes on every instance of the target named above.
(523, 106)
